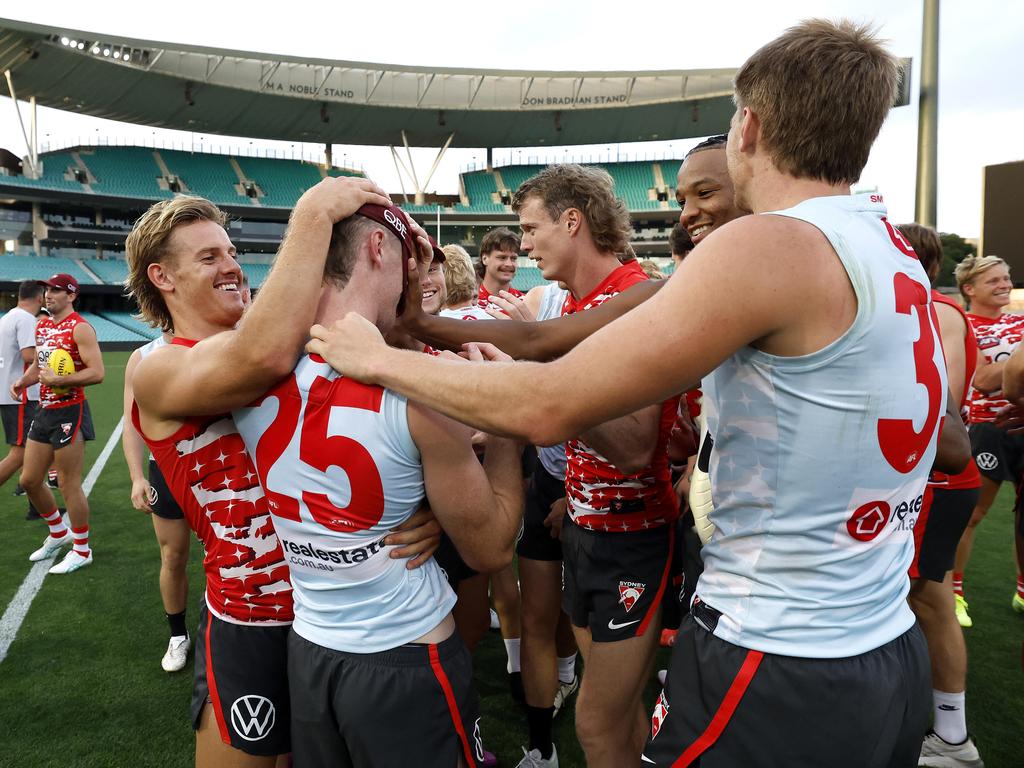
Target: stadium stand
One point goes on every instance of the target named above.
(209, 176)
(527, 278)
(110, 271)
(108, 331)
(31, 267)
(123, 171)
(56, 167)
(127, 321)
(634, 183)
(481, 187)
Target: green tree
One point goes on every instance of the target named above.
(954, 250)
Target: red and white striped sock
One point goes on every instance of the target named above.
(1020, 585)
(56, 524)
(81, 537)
(958, 583)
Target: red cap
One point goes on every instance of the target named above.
(62, 281)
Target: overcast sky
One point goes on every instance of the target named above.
(981, 100)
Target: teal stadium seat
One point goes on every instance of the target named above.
(126, 321)
(124, 172)
(669, 171)
(55, 165)
(480, 186)
(257, 273)
(209, 176)
(632, 182)
(17, 268)
(527, 278)
(110, 271)
(283, 181)
(107, 330)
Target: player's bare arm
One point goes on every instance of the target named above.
(1013, 377)
(542, 341)
(988, 377)
(952, 329)
(132, 444)
(677, 337)
(628, 442)
(229, 369)
(479, 506)
(954, 446)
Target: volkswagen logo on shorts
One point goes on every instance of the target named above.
(252, 716)
(986, 461)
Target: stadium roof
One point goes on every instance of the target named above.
(266, 96)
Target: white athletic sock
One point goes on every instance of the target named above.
(512, 649)
(566, 668)
(950, 716)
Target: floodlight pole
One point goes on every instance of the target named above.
(32, 158)
(928, 118)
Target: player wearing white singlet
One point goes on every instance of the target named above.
(342, 464)
(800, 648)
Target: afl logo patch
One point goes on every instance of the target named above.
(986, 460)
(252, 716)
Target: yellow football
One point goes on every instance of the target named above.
(61, 363)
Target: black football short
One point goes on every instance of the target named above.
(543, 490)
(999, 456)
(17, 419)
(724, 706)
(451, 563)
(60, 426)
(160, 498)
(943, 520)
(242, 670)
(614, 583)
(414, 705)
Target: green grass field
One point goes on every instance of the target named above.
(82, 684)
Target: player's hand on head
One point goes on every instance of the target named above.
(416, 539)
(413, 310)
(512, 307)
(141, 495)
(351, 346)
(480, 351)
(426, 251)
(338, 197)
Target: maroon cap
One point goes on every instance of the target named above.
(396, 220)
(438, 253)
(62, 281)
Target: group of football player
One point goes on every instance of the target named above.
(361, 463)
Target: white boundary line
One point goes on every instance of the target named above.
(18, 608)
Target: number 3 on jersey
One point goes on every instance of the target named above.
(317, 452)
(901, 444)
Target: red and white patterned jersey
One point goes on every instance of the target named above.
(51, 336)
(484, 297)
(997, 338)
(215, 483)
(600, 497)
(970, 477)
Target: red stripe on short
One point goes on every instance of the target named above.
(656, 603)
(211, 685)
(21, 420)
(725, 711)
(453, 709)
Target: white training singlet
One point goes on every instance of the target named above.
(820, 461)
(340, 471)
(552, 457)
